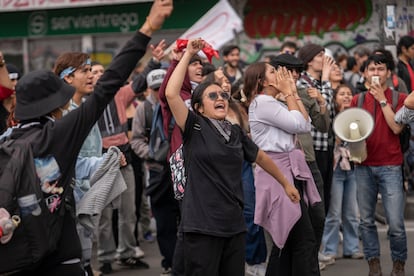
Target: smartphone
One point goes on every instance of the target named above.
(375, 80)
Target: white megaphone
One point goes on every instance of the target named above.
(354, 125)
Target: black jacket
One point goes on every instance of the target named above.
(402, 72)
(63, 138)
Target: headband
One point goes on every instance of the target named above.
(70, 69)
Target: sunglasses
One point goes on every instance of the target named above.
(214, 95)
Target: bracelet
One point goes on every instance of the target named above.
(150, 25)
(2, 62)
(324, 104)
(288, 96)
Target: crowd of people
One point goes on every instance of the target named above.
(270, 188)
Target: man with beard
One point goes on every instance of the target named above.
(233, 66)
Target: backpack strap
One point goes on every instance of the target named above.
(170, 128)
(157, 123)
(307, 79)
(361, 98)
(395, 96)
(148, 118)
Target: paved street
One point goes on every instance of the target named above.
(348, 267)
(342, 267)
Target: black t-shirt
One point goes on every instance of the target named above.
(213, 200)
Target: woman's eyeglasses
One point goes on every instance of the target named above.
(214, 95)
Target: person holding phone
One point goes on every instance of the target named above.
(381, 171)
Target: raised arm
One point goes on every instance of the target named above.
(172, 91)
(160, 10)
(409, 101)
(139, 83)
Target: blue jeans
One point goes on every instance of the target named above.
(343, 208)
(387, 180)
(255, 241)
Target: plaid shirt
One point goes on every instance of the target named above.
(320, 139)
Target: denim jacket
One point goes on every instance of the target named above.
(89, 158)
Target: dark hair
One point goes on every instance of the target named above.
(195, 58)
(210, 77)
(388, 55)
(342, 57)
(227, 49)
(93, 63)
(207, 68)
(363, 66)
(69, 59)
(237, 85)
(239, 110)
(254, 77)
(377, 59)
(350, 63)
(197, 97)
(289, 44)
(406, 42)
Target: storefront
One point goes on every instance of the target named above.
(32, 39)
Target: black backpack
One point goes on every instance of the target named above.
(405, 134)
(39, 231)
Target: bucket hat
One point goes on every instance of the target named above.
(40, 92)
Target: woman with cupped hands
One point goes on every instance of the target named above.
(276, 115)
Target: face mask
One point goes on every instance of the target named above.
(64, 111)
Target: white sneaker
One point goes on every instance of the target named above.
(255, 270)
(322, 266)
(138, 252)
(326, 259)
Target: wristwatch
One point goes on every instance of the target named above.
(383, 103)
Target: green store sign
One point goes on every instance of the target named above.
(95, 20)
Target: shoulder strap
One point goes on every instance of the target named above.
(157, 122)
(307, 79)
(395, 96)
(170, 128)
(361, 98)
(148, 117)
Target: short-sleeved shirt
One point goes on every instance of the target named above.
(383, 146)
(213, 199)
